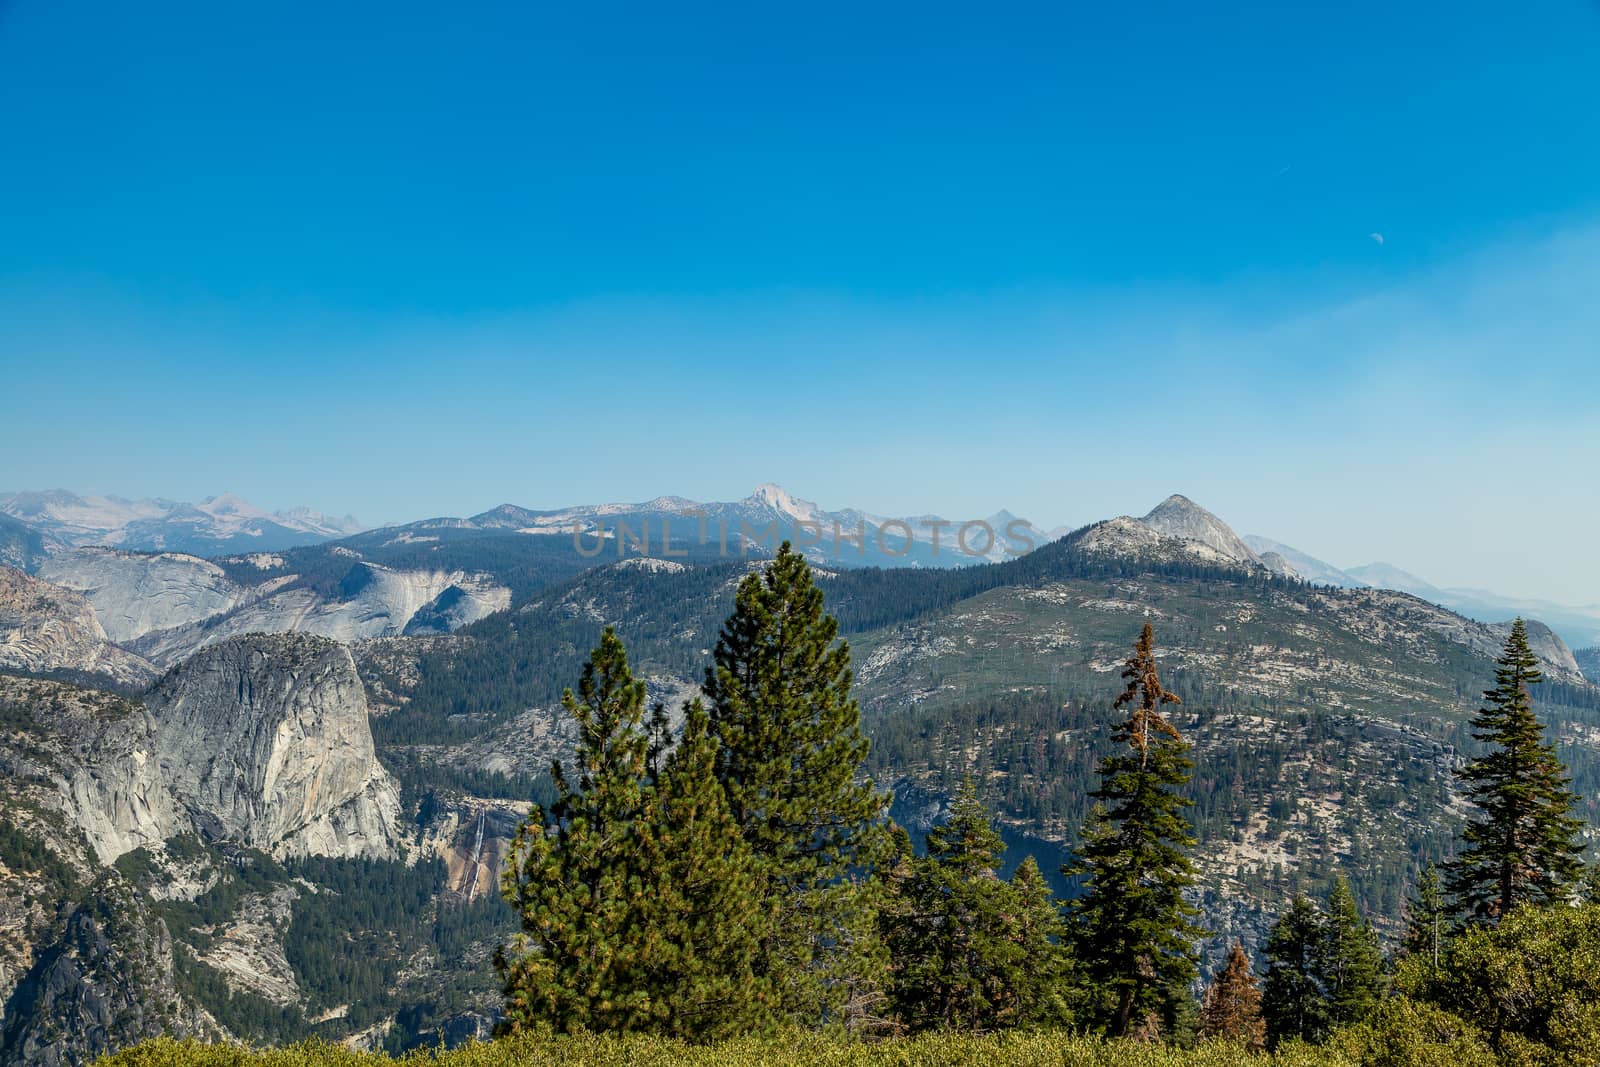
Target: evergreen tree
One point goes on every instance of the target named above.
(1292, 1000)
(1134, 934)
(575, 876)
(1523, 847)
(1427, 919)
(789, 757)
(1351, 964)
(640, 902)
(971, 951)
(1231, 1010)
(1045, 986)
(706, 914)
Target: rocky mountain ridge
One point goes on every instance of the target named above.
(768, 515)
(257, 750)
(45, 627)
(264, 740)
(167, 606)
(216, 525)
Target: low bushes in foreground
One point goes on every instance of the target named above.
(1032, 1049)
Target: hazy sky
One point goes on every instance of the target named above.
(403, 261)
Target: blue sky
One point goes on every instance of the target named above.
(399, 260)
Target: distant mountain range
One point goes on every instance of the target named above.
(848, 537)
(218, 525)
(32, 522)
(1579, 625)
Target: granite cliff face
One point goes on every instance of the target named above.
(106, 983)
(133, 594)
(260, 741)
(44, 627)
(166, 607)
(89, 757)
(264, 741)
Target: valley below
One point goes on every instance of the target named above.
(267, 796)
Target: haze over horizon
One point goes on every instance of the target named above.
(380, 262)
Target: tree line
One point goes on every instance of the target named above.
(740, 874)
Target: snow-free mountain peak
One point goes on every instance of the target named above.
(1181, 518)
(1388, 576)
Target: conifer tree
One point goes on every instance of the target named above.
(1231, 1010)
(640, 903)
(1045, 987)
(790, 756)
(971, 951)
(1352, 964)
(1134, 936)
(575, 875)
(1292, 999)
(706, 914)
(1427, 919)
(1523, 846)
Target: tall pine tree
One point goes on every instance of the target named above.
(1134, 934)
(970, 950)
(1523, 846)
(1292, 998)
(790, 756)
(576, 875)
(706, 914)
(1352, 964)
(640, 902)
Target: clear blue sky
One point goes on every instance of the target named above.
(400, 260)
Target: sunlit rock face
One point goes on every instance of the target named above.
(264, 741)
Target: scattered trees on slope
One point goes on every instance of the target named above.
(742, 876)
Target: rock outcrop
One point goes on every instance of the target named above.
(1181, 518)
(44, 627)
(88, 756)
(106, 984)
(166, 607)
(134, 594)
(264, 740)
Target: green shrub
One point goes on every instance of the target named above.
(1012, 1049)
(1532, 984)
(1406, 1033)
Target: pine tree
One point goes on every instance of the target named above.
(575, 875)
(640, 902)
(1044, 991)
(1231, 1010)
(1351, 965)
(1134, 934)
(1292, 998)
(1523, 847)
(971, 951)
(1427, 919)
(790, 756)
(706, 914)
